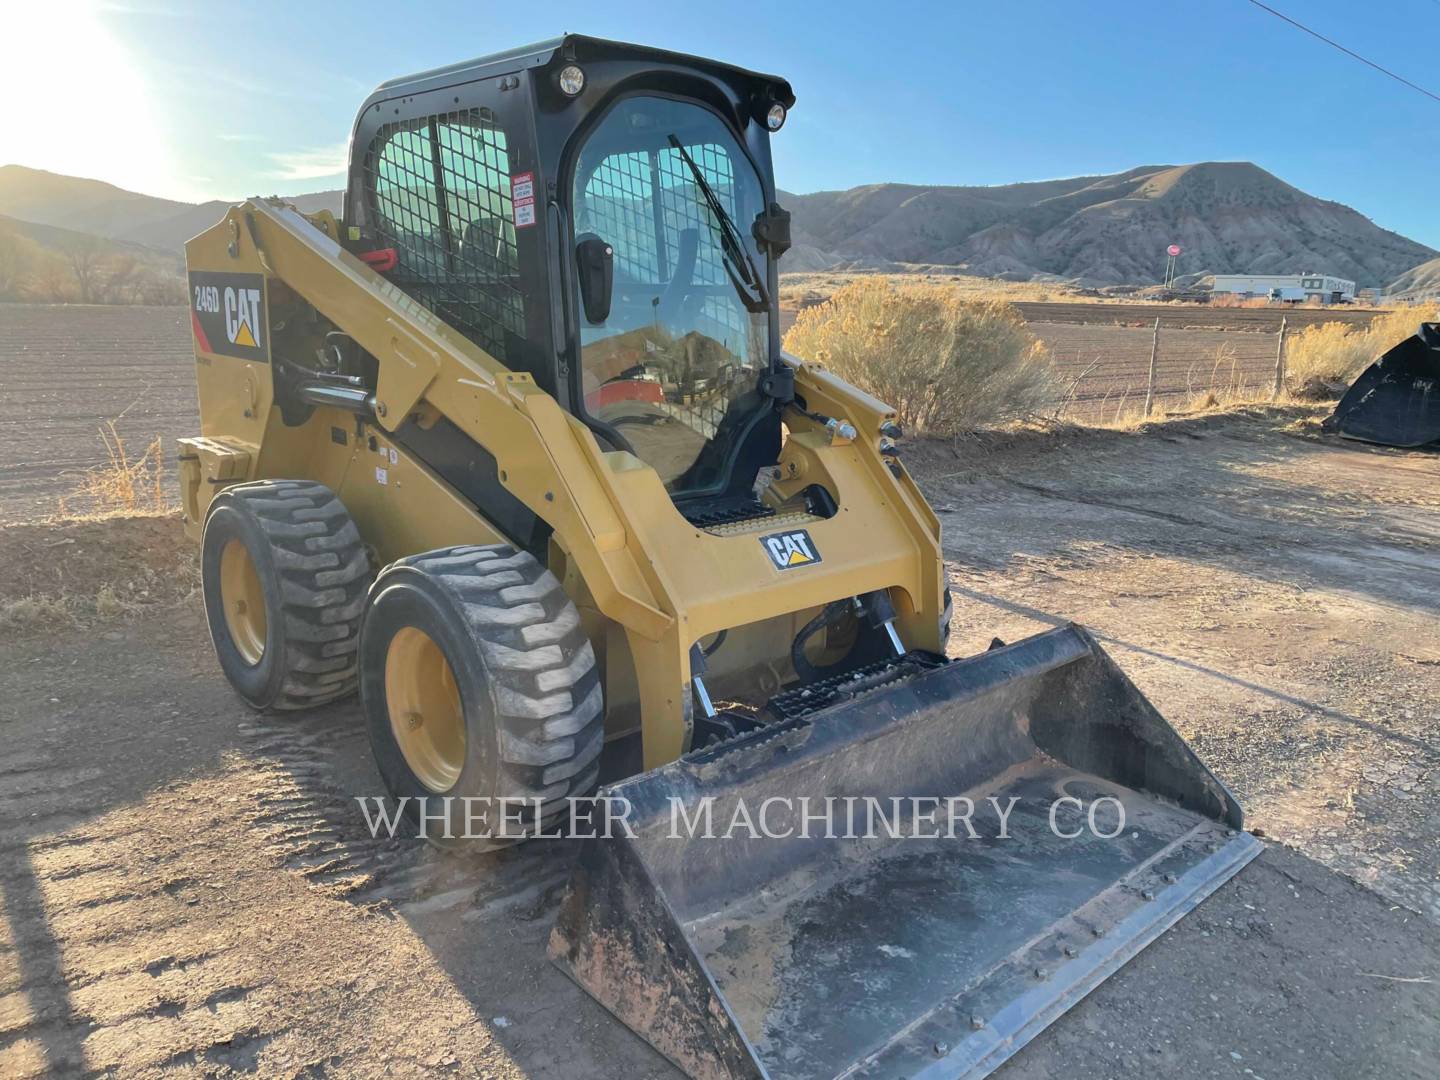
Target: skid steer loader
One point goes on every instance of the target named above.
(510, 447)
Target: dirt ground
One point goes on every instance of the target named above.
(1104, 368)
(64, 371)
(189, 890)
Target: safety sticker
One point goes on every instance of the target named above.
(522, 194)
(382, 476)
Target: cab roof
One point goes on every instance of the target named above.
(577, 45)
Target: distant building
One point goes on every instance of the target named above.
(1324, 287)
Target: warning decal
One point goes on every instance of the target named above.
(227, 315)
(522, 194)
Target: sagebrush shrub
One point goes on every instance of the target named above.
(1333, 354)
(945, 364)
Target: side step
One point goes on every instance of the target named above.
(906, 953)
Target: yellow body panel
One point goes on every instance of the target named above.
(647, 582)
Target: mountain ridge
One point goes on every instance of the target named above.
(1228, 217)
(1422, 280)
(79, 204)
(1101, 229)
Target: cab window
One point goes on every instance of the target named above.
(441, 194)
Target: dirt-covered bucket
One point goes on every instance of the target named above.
(913, 882)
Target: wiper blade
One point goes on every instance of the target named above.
(739, 267)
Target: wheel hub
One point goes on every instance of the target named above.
(426, 715)
(244, 601)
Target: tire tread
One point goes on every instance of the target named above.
(325, 576)
(549, 716)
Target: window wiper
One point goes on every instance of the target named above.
(739, 267)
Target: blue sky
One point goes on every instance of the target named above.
(223, 100)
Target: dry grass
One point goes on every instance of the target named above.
(800, 290)
(1329, 356)
(1235, 300)
(1129, 414)
(116, 547)
(947, 365)
(30, 614)
(121, 485)
(41, 612)
(65, 573)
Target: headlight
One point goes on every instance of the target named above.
(775, 118)
(572, 80)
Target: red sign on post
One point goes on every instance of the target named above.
(1173, 250)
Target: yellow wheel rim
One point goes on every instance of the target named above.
(425, 711)
(244, 601)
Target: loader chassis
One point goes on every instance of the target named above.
(482, 436)
(511, 448)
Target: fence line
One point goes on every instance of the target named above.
(1109, 371)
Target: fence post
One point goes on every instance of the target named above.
(1154, 355)
(1279, 363)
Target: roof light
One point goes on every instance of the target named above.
(775, 118)
(572, 80)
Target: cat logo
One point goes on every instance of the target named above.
(227, 315)
(789, 550)
(242, 317)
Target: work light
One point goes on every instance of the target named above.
(572, 80)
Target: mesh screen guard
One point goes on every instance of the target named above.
(441, 190)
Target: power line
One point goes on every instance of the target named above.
(1347, 52)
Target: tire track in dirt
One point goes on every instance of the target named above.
(314, 828)
(148, 976)
(309, 825)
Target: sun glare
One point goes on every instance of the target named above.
(78, 100)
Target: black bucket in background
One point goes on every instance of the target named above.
(814, 957)
(1396, 400)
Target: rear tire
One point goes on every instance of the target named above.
(284, 575)
(478, 682)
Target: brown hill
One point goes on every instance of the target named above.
(1230, 217)
(1422, 280)
(93, 206)
(52, 238)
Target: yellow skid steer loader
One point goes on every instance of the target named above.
(510, 447)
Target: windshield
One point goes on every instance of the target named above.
(675, 367)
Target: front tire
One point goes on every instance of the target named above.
(478, 683)
(284, 575)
